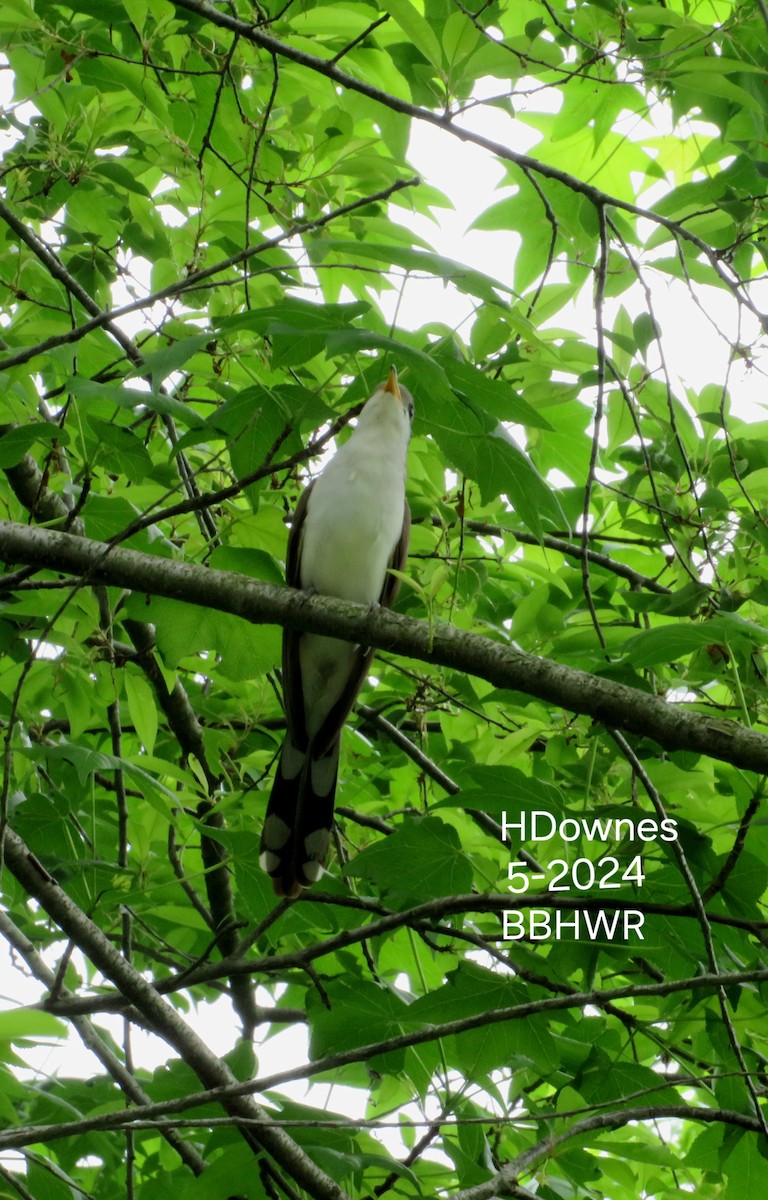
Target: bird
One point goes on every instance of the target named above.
(349, 532)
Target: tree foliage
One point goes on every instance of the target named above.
(539, 951)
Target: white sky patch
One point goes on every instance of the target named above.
(696, 336)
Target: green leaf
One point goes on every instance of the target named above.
(418, 31)
(654, 14)
(498, 399)
(86, 762)
(492, 458)
(117, 449)
(460, 38)
(681, 603)
(496, 789)
(17, 14)
(133, 398)
(356, 1010)
(717, 85)
(165, 362)
(185, 631)
(671, 642)
(645, 331)
(141, 706)
(117, 173)
(17, 441)
(746, 1170)
(428, 859)
(20, 1024)
(412, 258)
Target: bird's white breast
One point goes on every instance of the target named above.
(354, 519)
(353, 522)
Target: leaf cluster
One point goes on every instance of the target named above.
(206, 241)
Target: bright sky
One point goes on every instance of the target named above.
(470, 177)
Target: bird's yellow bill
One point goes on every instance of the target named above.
(392, 385)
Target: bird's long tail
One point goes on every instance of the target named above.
(297, 827)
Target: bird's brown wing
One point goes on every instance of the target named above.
(397, 562)
(293, 553)
(292, 690)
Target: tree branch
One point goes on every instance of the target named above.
(102, 320)
(414, 1037)
(505, 1181)
(93, 1041)
(29, 487)
(569, 549)
(188, 732)
(673, 726)
(330, 70)
(169, 1025)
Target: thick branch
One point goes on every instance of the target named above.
(673, 726)
(93, 1040)
(212, 1072)
(430, 917)
(29, 487)
(188, 732)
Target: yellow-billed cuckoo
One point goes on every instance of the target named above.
(350, 527)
